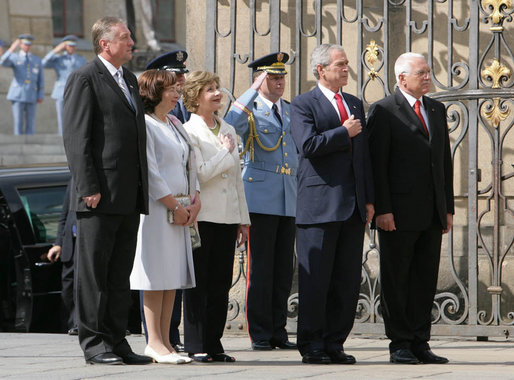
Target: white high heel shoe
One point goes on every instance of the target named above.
(172, 358)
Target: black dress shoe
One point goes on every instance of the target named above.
(316, 357)
(261, 345)
(105, 358)
(285, 345)
(73, 331)
(133, 358)
(428, 357)
(179, 347)
(339, 357)
(403, 356)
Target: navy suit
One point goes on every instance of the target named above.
(334, 185)
(66, 235)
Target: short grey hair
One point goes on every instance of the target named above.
(103, 30)
(403, 64)
(321, 56)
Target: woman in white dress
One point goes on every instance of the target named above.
(222, 221)
(164, 261)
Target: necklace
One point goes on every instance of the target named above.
(215, 124)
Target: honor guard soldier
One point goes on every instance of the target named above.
(261, 117)
(175, 62)
(63, 64)
(27, 87)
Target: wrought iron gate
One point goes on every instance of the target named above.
(467, 44)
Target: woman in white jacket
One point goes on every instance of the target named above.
(222, 221)
(164, 260)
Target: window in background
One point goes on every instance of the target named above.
(43, 207)
(164, 19)
(67, 17)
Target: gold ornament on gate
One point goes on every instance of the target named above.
(371, 57)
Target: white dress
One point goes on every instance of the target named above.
(164, 258)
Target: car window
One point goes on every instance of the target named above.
(43, 206)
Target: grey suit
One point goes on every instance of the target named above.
(105, 143)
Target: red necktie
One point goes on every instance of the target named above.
(342, 112)
(418, 112)
(340, 107)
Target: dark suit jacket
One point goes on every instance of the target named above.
(67, 220)
(326, 160)
(105, 141)
(413, 174)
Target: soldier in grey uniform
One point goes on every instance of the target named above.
(63, 64)
(261, 117)
(27, 87)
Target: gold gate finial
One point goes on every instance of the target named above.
(496, 73)
(496, 16)
(371, 57)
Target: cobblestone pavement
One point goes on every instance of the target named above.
(58, 356)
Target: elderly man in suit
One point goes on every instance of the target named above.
(27, 87)
(63, 64)
(412, 167)
(105, 142)
(335, 201)
(261, 117)
(64, 249)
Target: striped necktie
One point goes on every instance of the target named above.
(123, 86)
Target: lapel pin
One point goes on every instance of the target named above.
(266, 113)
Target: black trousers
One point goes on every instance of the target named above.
(68, 292)
(205, 306)
(270, 268)
(106, 246)
(409, 265)
(329, 265)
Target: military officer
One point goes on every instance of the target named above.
(177, 64)
(27, 87)
(63, 64)
(261, 117)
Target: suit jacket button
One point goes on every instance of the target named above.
(265, 131)
(250, 179)
(285, 154)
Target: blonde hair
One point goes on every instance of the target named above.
(195, 83)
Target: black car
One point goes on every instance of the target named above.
(30, 286)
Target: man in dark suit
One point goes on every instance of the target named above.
(412, 166)
(335, 200)
(105, 142)
(64, 249)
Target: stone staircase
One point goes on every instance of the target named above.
(35, 149)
